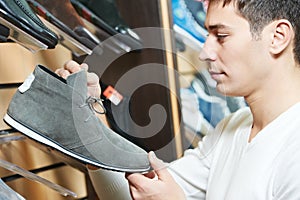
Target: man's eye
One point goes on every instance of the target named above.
(221, 36)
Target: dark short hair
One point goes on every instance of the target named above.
(260, 13)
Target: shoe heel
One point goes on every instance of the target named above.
(23, 38)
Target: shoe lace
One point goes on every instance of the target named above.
(91, 101)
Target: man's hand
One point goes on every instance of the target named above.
(156, 185)
(93, 85)
(92, 79)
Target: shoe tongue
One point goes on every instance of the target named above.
(78, 82)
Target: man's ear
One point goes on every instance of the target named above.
(282, 37)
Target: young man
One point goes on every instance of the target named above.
(253, 48)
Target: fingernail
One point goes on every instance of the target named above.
(152, 154)
(84, 66)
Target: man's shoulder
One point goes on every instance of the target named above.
(241, 117)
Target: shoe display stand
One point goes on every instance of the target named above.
(189, 65)
(24, 38)
(202, 105)
(73, 45)
(190, 35)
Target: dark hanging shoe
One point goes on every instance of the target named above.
(4, 33)
(62, 10)
(105, 15)
(25, 27)
(69, 27)
(58, 113)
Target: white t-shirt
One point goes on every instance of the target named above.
(225, 166)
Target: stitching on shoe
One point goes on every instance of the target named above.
(31, 15)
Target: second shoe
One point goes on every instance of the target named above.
(26, 28)
(69, 22)
(104, 14)
(58, 113)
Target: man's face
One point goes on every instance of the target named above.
(237, 61)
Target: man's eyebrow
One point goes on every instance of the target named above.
(216, 26)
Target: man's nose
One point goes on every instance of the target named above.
(208, 52)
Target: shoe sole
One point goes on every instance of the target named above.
(39, 138)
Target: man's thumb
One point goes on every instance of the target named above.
(158, 166)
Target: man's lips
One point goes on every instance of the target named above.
(215, 74)
(215, 71)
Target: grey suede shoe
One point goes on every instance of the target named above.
(6, 193)
(58, 113)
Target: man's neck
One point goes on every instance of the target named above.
(272, 100)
